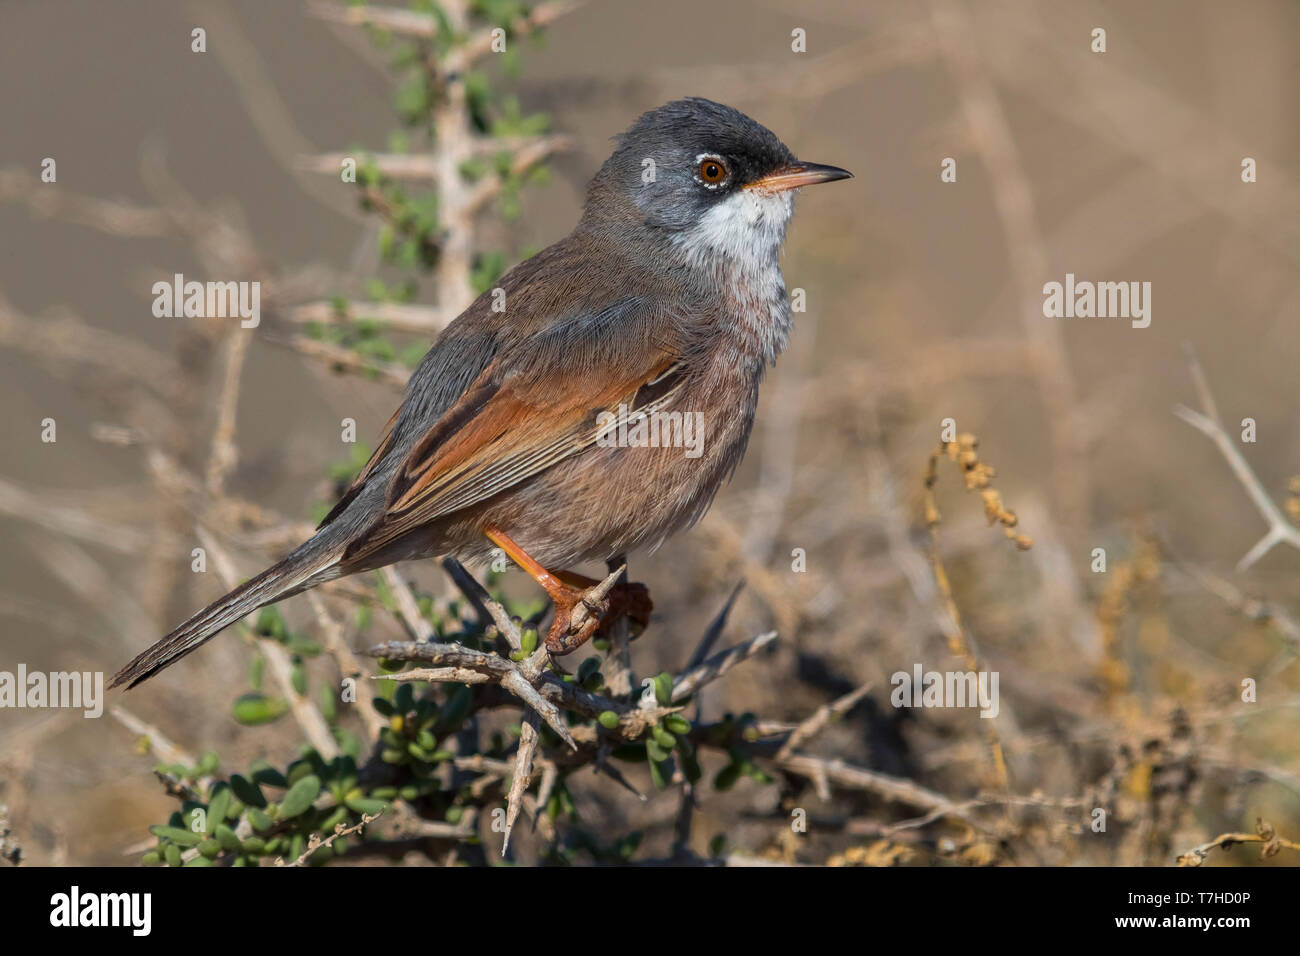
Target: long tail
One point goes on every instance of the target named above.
(288, 577)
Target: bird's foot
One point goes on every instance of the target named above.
(584, 607)
(587, 608)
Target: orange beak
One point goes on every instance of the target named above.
(799, 174)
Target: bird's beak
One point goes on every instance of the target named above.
(799, 174)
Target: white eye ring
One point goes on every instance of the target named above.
(701, 159)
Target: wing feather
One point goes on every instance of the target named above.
(501, 434)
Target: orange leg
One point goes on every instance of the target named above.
(578, 613)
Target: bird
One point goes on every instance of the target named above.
(667, 299)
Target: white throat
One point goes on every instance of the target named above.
(747, 226)
(739, 240)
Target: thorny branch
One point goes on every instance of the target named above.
(1206, 421)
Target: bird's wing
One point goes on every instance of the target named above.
(523, 414)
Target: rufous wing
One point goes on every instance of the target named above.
(503, 431)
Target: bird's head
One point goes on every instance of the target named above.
(704, 176)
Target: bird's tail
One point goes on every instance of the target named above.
(289, 576)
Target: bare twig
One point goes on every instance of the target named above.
(408, 608)
(314, 842)
(820, 718)
(1280, 530)
(396, 20)
(409, 318)
(161, 745)
(1264, 834)
(692, 679)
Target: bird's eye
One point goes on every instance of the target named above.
(712, 171)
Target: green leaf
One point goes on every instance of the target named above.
(328, 705)
(177, 835)
(271, 624)
(727, 777)
(690, 765)
(218, 806)
(677, 724)
(247, 791)
(226, 837)
(366, 805)
(657, 775)
(268, 776)
(298, 677)
(664, 689)
(304, 645)
(300, 797)
(254, 709)
(456, 707)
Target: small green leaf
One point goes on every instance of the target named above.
(226, 837)
(268, 776)
(664, 689)
(366, 805)
(177, 835)
(247, 791)
(657, 776)
(677, 724)
(298, 677)
(254, 709)
(300, 797)
(218, 806)
(727, 777)
(254, 845)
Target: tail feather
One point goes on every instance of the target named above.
(278, 581)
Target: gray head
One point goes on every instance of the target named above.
(706, 177)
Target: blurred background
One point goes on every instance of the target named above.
(1121, 688)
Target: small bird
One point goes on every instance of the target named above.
(667, 299)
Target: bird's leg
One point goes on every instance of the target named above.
(582, 605)
(628, 598)
(577, 609)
